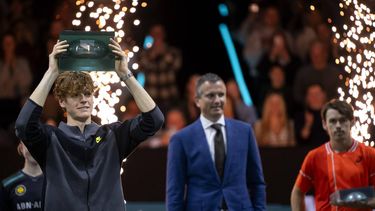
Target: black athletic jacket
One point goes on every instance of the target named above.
(82, 170)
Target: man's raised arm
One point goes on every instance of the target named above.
(40, 94)
(143, 100)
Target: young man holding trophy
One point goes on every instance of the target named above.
(81, 160)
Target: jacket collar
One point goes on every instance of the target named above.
(207, 123)
(75, 133)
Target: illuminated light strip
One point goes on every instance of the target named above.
(141, 78)
(149, 40)
(235, 64)
(223, 9)
(233, 58)
(146, 44)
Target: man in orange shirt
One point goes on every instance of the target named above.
(341, 163)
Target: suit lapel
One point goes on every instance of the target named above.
(201, 141)
(230, 135)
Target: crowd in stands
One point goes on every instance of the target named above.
(291, 75)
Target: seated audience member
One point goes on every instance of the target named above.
(228, 108)
(325, 35)
(131, 111)
(319, 71)
(175, 121)
(277, 84)
(15, 81)
(274, 129)
(241, 111)
(307, 34)
(281, 55)
(52, 114)
(161, 63)
(308, 123)
(257, 36)
(190, 108)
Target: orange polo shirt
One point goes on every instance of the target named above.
(326, 171)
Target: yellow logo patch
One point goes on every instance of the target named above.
(98, 139)
(20, 190)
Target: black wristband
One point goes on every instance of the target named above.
(127, 76)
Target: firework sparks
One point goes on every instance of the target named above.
(356, 38)
(103, 15)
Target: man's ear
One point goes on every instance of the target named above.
(196, 99)
(324, 125)
(62, 103)
(20, 148)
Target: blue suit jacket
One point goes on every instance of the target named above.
(193, 182)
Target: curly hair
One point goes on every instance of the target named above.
(72, 84)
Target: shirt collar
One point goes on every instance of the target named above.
(75, 132)
(207, 123)
(352, 148)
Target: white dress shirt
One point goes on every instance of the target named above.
(210, 133)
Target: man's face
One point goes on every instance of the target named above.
(8, 44)
(315, 97)
(211, 100)
(277, 77)
(337, 126)
(78, 107)
(318, 55)
(157, 32)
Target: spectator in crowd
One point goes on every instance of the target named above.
(274, 129)
(19, 10)
(15, 80)
(23, 190)
(324, 34)
(214, 163)
(25, 34)
(229, 108)
(279, 54)
(241, 111)
(308, 123)
(341, 163)
(174, 121)
(52, 112)
(56, 27)
(15, 75)
(63, 12)
(311, 19)
(160, 63)
(277, 84)
(190, 108)
(131, 111)
(319, 71)
(258, 36)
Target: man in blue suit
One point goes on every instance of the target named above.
(214, 164)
